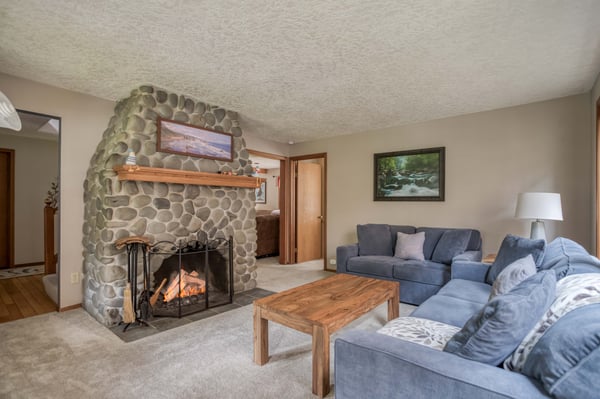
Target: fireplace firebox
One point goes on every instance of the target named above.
(192, 277)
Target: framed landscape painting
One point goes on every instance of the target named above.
(184, 139)
(414, 175)
(261, 193)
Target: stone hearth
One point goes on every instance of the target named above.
(161, 211)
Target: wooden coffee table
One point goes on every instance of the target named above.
(321, 308)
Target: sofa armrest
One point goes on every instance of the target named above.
(468, 256)
(342, 254)
(373, 365)
(474, 271)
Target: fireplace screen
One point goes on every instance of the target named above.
(192, 277)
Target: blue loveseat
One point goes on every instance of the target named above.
(370, 364)
(373, 256)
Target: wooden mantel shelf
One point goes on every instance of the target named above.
(162, 175)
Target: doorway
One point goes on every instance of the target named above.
(35, 168)
(271, 209)
(308, 202)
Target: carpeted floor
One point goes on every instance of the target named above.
(70, 355)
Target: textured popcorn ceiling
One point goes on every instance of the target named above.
(299, 70)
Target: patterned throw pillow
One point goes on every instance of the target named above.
(410, 246)
(420, 331)
(512, 275)
(572, 292)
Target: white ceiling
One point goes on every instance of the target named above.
(310, 68)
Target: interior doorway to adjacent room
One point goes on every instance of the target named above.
(27, 179)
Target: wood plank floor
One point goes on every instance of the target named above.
(22, 297)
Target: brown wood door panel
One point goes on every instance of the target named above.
(7, 159)
(309, 213)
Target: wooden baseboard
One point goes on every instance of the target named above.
(67, 308)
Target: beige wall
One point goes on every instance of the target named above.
(84, 118)
(490, 158)
(36, 167)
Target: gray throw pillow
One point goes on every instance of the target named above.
(374, 239)
(512, 275)
(451, 244)
(496, 331)
(513, 248)
(410, 246)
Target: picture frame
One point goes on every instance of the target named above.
(413, 175)
(184, 139)
(261, 193)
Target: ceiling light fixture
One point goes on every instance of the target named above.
(8, 114)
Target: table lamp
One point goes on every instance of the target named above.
(538, 206)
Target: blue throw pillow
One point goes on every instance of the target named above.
(566, 357)
(451, 244)
(497, 330)
(513, 248)
(566, 257)
(374, 239)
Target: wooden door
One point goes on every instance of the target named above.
(7, 165)
(309, 212)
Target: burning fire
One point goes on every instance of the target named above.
(184, 284)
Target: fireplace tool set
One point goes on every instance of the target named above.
(130, 305)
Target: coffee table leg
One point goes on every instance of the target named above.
(394, 306)
(320, 365)
(261, 338)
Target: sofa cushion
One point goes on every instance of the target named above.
(566, 257)
(572, 292)
(409, 246)
(512, 275)
(495, 332)
(446, 309)
(395, 229)
(430, 333)
(379, 266)
(468, 290)
(450, 244)
(432, 236)
(421, 271)
(567, 356)
(474, 241)
(374, 239)
(513, 248)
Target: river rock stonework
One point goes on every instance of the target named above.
(173, 212)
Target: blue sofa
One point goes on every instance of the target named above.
(370, 364)
(373, 256)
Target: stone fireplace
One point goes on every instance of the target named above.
(173, 212)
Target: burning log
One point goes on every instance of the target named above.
(184, 284)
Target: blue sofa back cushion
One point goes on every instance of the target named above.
(374, 239)
(491, 335)
(512, 249)
(432, 236)
(450, 244)
(567, 356)
(566, 257)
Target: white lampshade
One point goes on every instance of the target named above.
(8, 114)
(539, 206)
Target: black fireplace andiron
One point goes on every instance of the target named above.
(134, 244)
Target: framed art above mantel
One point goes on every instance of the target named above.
(413, 175)
(184, 139)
